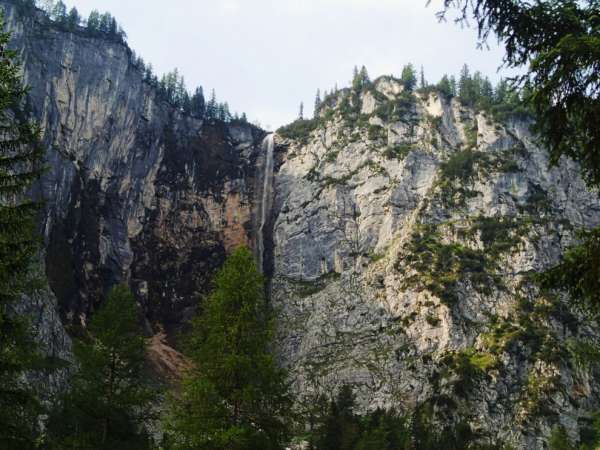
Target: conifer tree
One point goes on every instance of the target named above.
(234, 396)
(301, 112)
(73, 19)
(445, 87)
(198, 105)
(465, 85)
(20, 160)
(423, 84)
(211, 106)
(409, 77)
(93, 22)
(59, 12)
(317, 102)
(110, 395)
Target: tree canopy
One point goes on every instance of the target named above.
(235, 396)
(20, 165)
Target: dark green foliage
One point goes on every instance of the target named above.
(558, 42)
(234, 396)
(376, 133)
(399, 109)
(441, 267)
(398, 151)
(461, 166)
(590, 434)
(465, 368)
(20, 163)
(110, 396)
(409, 77)
(579, 272)
(446, 88)
(360, 79)
(299, 129)
(559, 440)
(340, 428)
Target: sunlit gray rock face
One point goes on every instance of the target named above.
(136, 191)
(404, 231)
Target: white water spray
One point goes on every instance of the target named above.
(265, 204)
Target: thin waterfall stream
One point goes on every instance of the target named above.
(265, 204)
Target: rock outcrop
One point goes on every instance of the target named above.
(405, 230)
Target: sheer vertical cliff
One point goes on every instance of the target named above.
(136, 191)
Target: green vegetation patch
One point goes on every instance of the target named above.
(398, 151)
(441, 267)
(300, 129)
(306, 288)
(466, 367)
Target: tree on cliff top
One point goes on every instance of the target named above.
(20, 160)
(235, 396)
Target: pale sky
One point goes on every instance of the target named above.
(266, 56)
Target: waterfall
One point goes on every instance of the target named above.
(265, 204)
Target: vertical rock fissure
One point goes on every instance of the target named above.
(268, 146)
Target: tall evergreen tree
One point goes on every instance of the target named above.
(317, 102)
(360, 78)
(409, 77)
(198, 105)
(234, 397)
(211, 106)
(423, 82)
(93, 22)
(445, 87)
(110, 396)
(20, 160)
(59, 12)
(340, 429)
(301, 111)
(464, 83)
(73, 19)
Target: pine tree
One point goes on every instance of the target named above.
(423, 84)
(355, 78)
(93, 22)
(301, 112)
(110, 395)
(59, 12)
(73, 19)
(211, 107)
(364, 76)
(317, 102)
(198, 105)
(234, 396)
(453, 85)
(340, 429)
(409, 77)
(465, 85)
(20, 161)
(445, 87)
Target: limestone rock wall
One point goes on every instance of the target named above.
(405, 230)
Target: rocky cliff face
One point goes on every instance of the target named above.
(400, 244)
(405, 231)
(136, 191)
